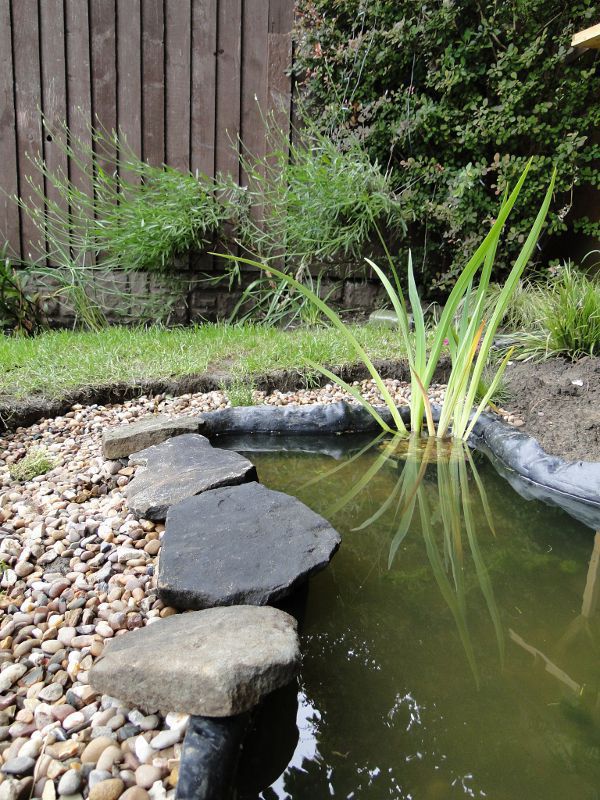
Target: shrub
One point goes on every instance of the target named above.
(455, 97)
(137, 216)
(21, 308)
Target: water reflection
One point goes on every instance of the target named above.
(442, 507)
(451, 649)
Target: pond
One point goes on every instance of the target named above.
(451, 648)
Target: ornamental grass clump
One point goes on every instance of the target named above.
(462, 327)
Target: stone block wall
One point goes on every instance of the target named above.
(193, 293)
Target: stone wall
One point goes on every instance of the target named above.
(193, 292)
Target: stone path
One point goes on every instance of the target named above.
(180, 468)
(245, 544)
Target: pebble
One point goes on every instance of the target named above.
(146, 775)
(135, 793)
(51, 693)
(110, 789)
(95, 748)
(70, 782)
(18, 766)
(11, 674)
(166, 739)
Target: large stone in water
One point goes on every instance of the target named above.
(215, 663)
(122, 440)
(245, 544)
(180, 468)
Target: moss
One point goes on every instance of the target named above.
(35, 462)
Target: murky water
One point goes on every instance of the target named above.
(452, 647)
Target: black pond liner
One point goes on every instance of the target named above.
(211, 750)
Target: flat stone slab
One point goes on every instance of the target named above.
(122, 440)
(246, 544)
(180, 468)
(215, 663)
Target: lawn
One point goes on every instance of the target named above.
(52, 363)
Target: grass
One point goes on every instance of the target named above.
(556, 317)
(36, 461)
(55, 362)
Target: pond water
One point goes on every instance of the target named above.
(451, 648)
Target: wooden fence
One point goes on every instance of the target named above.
(180, 78)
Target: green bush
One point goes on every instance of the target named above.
(455, 97)
(315, 200)
(137, 216)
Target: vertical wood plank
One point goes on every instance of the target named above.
(10, 229)
(204, 74)
(177, 79)
(229, 36)
(279, 84)
(104, 76)
(129, 70)
(54, 92)
(28, 102)
(153, 82)
(79, 85)
(254, 78)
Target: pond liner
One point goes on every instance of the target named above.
(571, 485)
(209, 760)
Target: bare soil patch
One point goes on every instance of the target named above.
(559, 401)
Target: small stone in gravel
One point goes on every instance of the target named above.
(146, 775)
(18, 766)
(107, 790)
(11, 674)
(70, 782)
(92, 752)
(165, 739)
(51, 693)
(108, 757)
(135, 793)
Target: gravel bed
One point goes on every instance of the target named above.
(77, 569)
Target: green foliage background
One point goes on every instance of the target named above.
(454, 96)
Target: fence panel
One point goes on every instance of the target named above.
(181, 78)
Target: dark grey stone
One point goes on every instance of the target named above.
(245, 544)
(122, 440)
(215, 663)
(180, 468)
(210, 756)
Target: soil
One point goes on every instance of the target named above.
(559, 402)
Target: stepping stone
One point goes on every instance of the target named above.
(121, 441)
(180, 468)
(215, 663)
(245, 544)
